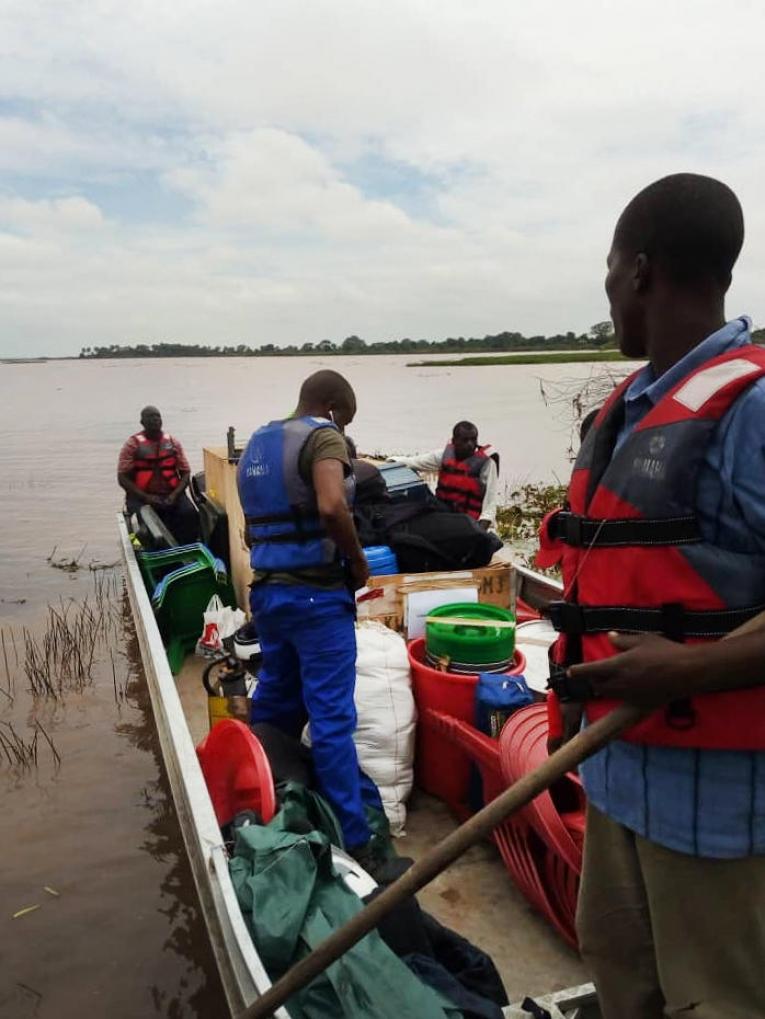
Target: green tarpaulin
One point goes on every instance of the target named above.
(292, 900)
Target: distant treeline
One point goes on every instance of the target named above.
(601, 335)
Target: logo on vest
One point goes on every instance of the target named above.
(653, 466)
(656, 445)
(257, 469)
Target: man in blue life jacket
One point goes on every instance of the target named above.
(664, 533)
(296, 488)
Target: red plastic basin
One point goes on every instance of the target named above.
(237, 772)
(441, 768)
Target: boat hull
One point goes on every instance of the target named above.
(242, 973)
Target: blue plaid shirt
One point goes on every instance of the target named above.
(702, 802)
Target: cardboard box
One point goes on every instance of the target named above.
(387, 601)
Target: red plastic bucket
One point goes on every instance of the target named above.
(442, 769)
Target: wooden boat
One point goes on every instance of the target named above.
(476, 896)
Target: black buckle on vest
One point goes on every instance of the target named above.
(569, 688)
(680, 715)
(568, 528)
(673, 622)
(567, 617)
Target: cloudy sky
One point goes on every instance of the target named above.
(255, 171)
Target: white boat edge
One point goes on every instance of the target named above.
(241, 970)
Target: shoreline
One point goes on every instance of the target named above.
(560, 357)
(529, 356)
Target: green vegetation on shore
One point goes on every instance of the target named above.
(519, 518)
(560, 357)
(599, 336)
(568, 348)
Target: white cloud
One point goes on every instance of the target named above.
(205, 171)
(58, 215)
(272, 179)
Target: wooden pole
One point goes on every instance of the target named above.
(479, 827)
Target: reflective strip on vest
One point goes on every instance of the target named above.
(653, 476)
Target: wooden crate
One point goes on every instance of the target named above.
(220, 480)
(388, 604)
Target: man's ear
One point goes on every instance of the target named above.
(641, 273)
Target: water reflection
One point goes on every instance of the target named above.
(123, 934)
(199, 991)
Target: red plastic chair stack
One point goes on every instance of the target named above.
(555, 819)
(541, 846)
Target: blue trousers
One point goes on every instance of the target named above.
(308, 674)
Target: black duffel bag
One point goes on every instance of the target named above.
(441, 540)
(426, 535)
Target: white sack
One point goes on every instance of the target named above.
(384, 734)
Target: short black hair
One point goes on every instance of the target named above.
(327, 385)
(693, 226)
(464, 426)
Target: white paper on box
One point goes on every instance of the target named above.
(419, 605)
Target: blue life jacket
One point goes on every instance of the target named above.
(280, 510)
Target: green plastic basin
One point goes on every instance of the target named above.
(466, 643)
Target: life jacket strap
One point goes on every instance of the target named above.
(289, 537)
(462, 493)
(569, 688)
(587, 532)
(671, 620)
(272, 518)
(305, 527)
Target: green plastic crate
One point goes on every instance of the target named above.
(155, 566)
(179, 602)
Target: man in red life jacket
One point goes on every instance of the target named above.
(154, 471)
(663, 538)
(467, 474)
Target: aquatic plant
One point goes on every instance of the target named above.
(21, 751)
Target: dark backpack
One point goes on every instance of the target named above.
(370, 484)
(441, 540)
(376, 521)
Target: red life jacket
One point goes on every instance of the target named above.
(633, 557)
(155, 463)
(459, 481)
